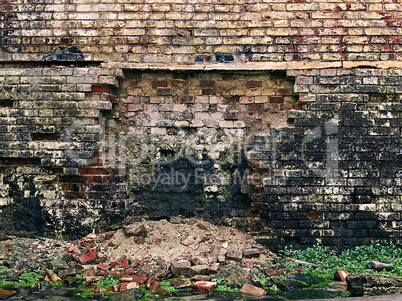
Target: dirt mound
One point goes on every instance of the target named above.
(188, 239)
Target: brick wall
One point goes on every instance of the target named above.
(183, 134)
(190, 31)
(334, 178)
(50, 134)
(279, 117)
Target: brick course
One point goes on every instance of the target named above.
(343, 31)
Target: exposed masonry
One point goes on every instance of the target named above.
(71, 176)
(281, 117)
(187, 31)
(342, 185)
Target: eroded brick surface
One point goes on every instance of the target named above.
(207, 32)
(113, 111)
(336, 179)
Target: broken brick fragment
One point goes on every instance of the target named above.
(123, 262)
(199, 270)
(88, 257)
(134, 278)
(128, 285)
(181, 267)
(129, 271)
(252, 290)
(203, 286)
(234, 254)
(253, 252)
(340, 275)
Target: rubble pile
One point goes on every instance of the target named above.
(142, 253)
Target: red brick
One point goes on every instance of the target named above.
(340, 275)
(112, 98)
(231, 99)
(123, 262)
(254, 107)
(134, 278)
(4, 294)
(203, 286)
(254, 84)
(88, 257)
(112, 265)
(298, 269)
(102, 266)
(395, 40)
(252, 290)
(153, 285)
(95, 171)
(176, 83)
(73, 249)
(139, 240)
(385, 16)
(276, 99)
(396, 23)
(159, 84)
(128, 285)
(129, 271)
(100, 89)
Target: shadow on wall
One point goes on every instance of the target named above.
(23, 213)
(183, 187)
(338, 186)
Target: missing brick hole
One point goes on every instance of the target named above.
(291, 121)
(167, 153)
(19, 161)
(6, 104)
(184, 130)
(278, 75)
(44, 136)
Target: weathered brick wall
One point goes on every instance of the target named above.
(264, 113)
(199, 120)
(192, 31)
(335, 177)
(50, 130)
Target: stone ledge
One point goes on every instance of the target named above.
(246, 66)
(254, 66)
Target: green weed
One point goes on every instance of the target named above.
(165, 284)
(352, 260)
(109, 281)
(222, 285)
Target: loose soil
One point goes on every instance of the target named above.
(190, 238)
